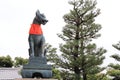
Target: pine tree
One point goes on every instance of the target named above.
(80, 58)
(115, 68)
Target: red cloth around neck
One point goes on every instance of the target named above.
(35, 29)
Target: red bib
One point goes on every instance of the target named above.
(35, 29)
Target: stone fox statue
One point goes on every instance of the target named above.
(36, 38)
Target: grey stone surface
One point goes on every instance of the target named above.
(9, 73)
(37, 60)
(37, 67)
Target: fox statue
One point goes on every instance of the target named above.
(36, 38)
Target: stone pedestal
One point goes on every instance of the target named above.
(37, 67)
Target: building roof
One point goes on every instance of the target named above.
(9, 73)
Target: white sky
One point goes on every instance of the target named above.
(17, 15)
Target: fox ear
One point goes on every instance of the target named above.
(37, 13)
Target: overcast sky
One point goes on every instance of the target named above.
(17, 15)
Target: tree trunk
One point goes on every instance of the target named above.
(84, 75)
(77, 73)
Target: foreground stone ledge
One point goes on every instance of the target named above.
(34, 79)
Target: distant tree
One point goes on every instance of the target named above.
(19, 61)
(6, 61)
(115, 68)
(50, 53)
(80, 57)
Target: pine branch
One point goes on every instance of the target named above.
(117, 46)
(114, 66)
(116, 57)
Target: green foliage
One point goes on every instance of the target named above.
(51, 52)
(19, 61)
(6, 61)
(113, 72)
(115, 68)
(98, 76)
(79, 56)
(116, 57)
(56, 74)
(117, 46)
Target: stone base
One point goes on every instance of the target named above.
(38, 60)
(38, 68)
